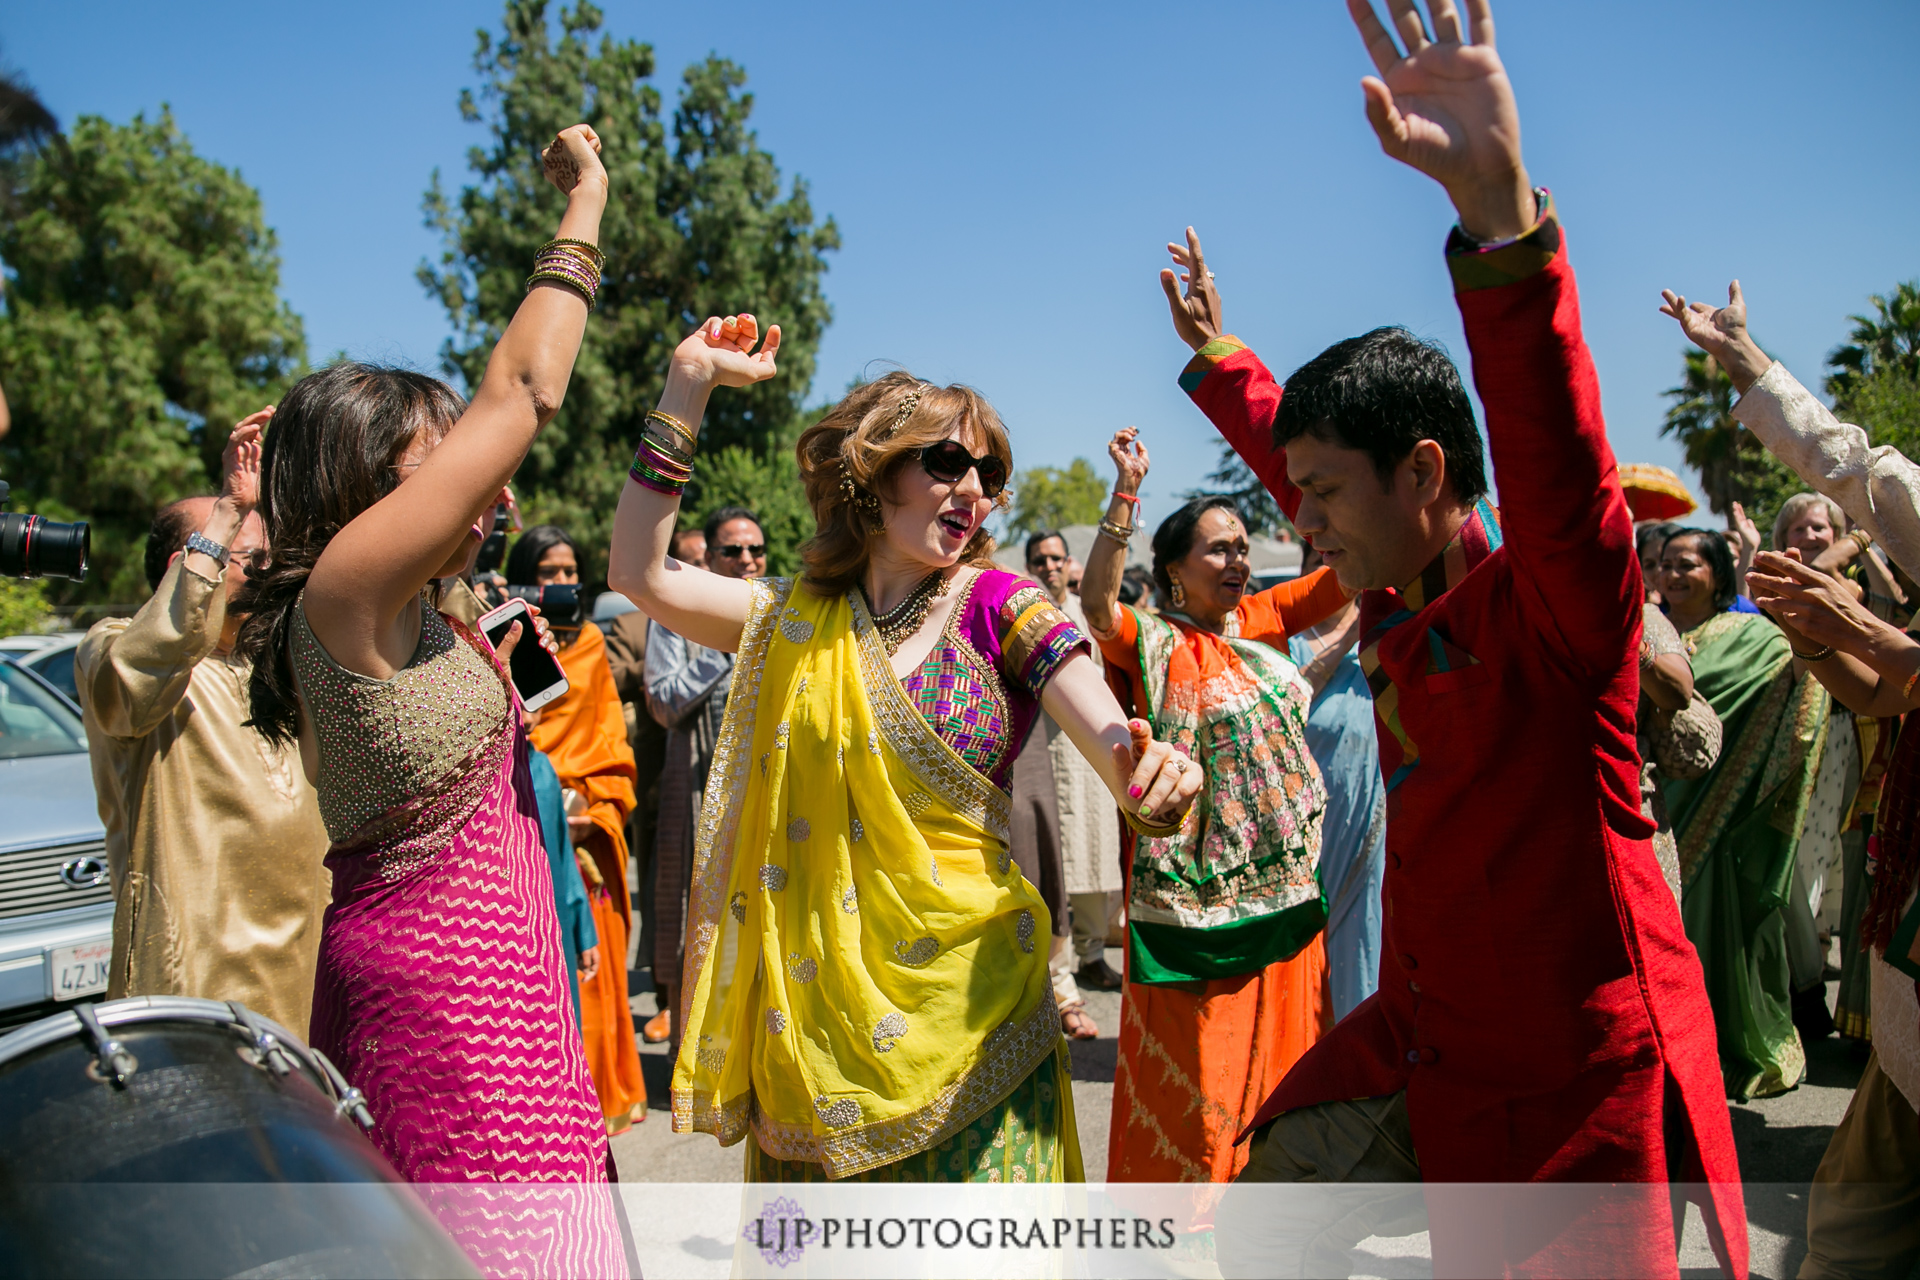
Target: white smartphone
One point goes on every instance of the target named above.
(537, 676)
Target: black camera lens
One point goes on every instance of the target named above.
(559, 602)
(36, 547)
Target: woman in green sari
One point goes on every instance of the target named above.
(1738, 826)
(866, 990)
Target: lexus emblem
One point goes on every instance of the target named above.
(84, 873)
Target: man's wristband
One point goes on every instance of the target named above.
(206, 546)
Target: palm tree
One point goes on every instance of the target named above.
(24, 120)
(1889, 339)
(1701, 419)
(1733, 466)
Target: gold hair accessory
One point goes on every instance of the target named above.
(900, 416)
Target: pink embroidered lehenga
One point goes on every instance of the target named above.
(441, 992)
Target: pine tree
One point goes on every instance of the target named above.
(699, 223)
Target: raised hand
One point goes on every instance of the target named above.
(720, 353)
(1129, 454)
(1446, 108)
(1721, 333)
(1162, 782)
(1817, 605)
(1196, 313)
(240, 462)
(573, 157)
(1742, 527)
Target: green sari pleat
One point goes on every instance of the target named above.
(1737, 830)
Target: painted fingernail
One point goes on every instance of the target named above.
(1146, 811)
(1135, 792)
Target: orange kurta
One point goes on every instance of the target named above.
(1197, 1061)
(584, 733)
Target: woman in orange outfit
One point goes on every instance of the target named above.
(1226, 968)
(584, 734)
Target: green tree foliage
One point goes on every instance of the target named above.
(143, 317)
(1053, 498)
(23, 607)
(1733, 466)
(698, 225)
(1886, 342)
(1233, 478)
(1886, 404)
(767, 483)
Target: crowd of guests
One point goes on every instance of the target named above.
(1503, 845)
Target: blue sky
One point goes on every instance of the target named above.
(1004, 176)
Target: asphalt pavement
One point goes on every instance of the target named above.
(1780, 1141)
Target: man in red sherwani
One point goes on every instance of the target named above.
(1541, 1017)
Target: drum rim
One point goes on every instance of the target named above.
(131, 1011)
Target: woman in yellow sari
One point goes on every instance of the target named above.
(866, 985)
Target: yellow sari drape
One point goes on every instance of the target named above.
(868, 967)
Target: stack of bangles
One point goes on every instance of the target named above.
(1120, 533)
(570, 262)
(664, 460)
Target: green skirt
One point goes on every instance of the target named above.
(1028, 1136)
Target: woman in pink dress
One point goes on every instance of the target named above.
(441, 991)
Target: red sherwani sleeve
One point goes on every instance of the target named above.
(1562, 510)
(1240, 397)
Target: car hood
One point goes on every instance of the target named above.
(47, 800)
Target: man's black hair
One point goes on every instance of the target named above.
(1382, 393)
(712, 530)
(1035, 539)
(172, 525)
(1714, 550)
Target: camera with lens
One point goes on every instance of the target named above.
(559, 603)
(36, 547)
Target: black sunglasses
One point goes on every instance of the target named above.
(733, 550)
(948, 462)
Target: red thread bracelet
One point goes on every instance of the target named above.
(1134, 498)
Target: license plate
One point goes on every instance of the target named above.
(79, 970)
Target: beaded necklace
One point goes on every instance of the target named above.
(905, 618)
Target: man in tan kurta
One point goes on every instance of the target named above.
(213, 836)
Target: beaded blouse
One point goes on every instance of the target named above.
(979, 688)
(385, 743)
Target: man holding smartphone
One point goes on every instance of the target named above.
(687, 688)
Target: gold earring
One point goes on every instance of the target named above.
(1175, 590)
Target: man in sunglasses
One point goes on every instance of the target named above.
(687, 686)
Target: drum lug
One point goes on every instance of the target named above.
(354, 1103)
(112, 1062)
(266, 1045)
(349, 1100)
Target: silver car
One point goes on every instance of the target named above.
(56, 898)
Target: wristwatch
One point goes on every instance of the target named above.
(206, 546)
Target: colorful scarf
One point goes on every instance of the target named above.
(867, 967)
(1383, 610)
(1238, 887)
